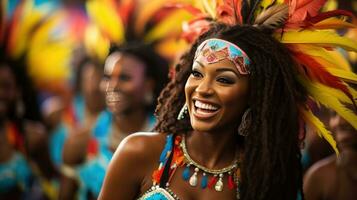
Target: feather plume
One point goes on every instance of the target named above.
(272, 17)
(329, 14)
(318, 126)
(317, 37)
(333, 23)
(330, 98)
(147, 10)
(346, 76)
(327, 58)
(210, 7)
(316, 72)
(301, 9)
(166, 27)
(105, 16)
(253, 6)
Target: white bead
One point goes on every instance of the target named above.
(193, 180)
(219, 185)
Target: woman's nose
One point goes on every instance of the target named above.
(205, 87)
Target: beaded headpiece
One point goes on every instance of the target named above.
(214, 50)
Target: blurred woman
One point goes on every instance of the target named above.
(15, 172)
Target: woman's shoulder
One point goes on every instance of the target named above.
(133, 162)
(142, 147)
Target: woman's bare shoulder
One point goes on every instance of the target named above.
(136, 156)
(142, 144)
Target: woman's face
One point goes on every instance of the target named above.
(216, 95)
(345, 134)
(8, 91)
(125, 83)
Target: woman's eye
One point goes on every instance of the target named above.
(124, 77)
(196, 74)
(225, 80)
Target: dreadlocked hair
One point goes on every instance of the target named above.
(271, 165)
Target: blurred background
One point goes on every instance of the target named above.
(60, 117)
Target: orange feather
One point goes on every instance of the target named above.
(301, 9)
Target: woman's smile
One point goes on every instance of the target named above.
(204, 110)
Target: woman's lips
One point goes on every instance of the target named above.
(203, 110)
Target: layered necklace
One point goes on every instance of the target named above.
(211, 178)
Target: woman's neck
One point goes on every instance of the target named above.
(213, 150)
(131, 122)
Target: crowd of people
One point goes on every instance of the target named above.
(186, 99)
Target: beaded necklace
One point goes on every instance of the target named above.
(216, 174)
(211, 178)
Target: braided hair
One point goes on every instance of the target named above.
(271, 165)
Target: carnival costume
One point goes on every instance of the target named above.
(311, 41)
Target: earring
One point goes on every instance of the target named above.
(183, 112)
(245, 123)
(149, 98)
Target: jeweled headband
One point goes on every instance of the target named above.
(214, 50)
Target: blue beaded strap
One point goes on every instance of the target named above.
(158, 193)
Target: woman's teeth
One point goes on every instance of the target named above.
(205, 106)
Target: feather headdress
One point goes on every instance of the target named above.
(126, 21)
(31, 36)
(310, 37)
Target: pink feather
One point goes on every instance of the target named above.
(301, 9)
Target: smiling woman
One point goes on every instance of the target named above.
(230, 120)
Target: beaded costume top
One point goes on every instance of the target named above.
(175, 155)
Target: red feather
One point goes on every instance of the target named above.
(230, 12)
(13, 26)
(125, 10)
(301, 9)
(189, 8)
(195, 28)
(316, 71)
(328, 14)
(163, 13)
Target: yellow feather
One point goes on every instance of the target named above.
(210, 7)
(50, 62)
(265, 3)
(317, 37)
(105, 16)
(96, 44)
(334, 58)
(43, 33)
(331, 98)
(22, 30)
(171, 25)
(170, 48)
(145, 12)
(333, 23)
(319, 127)
(347, 76)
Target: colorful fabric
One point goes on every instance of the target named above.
(214, 50)
(157, 192)
(15, 173)
(100, 131)
(92, 173)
